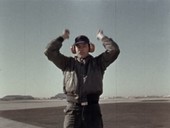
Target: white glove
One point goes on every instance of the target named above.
(100, 35)
(66, 34)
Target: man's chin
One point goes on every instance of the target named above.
(82, 56)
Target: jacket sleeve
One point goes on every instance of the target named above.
(111, 53)
(52, 52)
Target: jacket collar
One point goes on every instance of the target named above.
(83, 60)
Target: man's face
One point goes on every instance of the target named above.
(82, 50)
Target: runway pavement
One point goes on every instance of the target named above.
(27, 104)
(6, 123)
(15, 105)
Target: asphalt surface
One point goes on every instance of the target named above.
(6, 123)
(17, 105)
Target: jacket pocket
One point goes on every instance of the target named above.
(70, 81)
(71, 109)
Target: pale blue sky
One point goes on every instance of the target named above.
(141, 29)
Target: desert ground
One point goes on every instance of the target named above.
(142, 114)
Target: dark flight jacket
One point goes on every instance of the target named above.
(82, 78)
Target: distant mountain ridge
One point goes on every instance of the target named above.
(17, 97)
(59, 96)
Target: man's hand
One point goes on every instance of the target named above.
(66, 34)
(100, 34)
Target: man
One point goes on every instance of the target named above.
(83, 76)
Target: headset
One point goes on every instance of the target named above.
(91, 48)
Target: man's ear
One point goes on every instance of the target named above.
(91, 47)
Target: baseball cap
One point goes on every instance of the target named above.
(82, 39)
